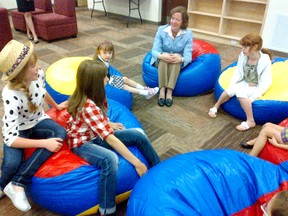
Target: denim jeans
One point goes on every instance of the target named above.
(97, 153)
(20, 172)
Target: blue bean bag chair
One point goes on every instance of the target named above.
(68, 185)
(196, 78)
(271, 107)
(208, 182)
(61, 81)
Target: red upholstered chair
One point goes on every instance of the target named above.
(59, 24)
(5, 29)
(41, 7)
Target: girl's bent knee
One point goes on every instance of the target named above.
(61, 133)
(268, 124)
(111, 159)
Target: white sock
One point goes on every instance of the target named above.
(143, 92)
(138, 86)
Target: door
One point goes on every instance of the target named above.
(167, 5)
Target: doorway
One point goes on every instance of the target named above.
(167, 5)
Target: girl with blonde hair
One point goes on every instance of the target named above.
(25, 124)
(105, 53)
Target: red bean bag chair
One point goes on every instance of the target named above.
(274, 154)
(68, 185)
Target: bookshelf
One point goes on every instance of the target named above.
(226, 21)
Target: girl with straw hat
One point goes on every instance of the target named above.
(25, 124)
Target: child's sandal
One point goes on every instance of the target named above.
(212, 112)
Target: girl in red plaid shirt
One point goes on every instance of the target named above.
(92, 136)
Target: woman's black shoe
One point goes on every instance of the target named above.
(161, 102)
(246, 145)
(169, 102)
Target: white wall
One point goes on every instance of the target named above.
(9, 4)
(275, 30)
(149, 9)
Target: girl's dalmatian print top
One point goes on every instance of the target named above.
(16, 113)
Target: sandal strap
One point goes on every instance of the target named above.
(245, 125)
(214, 110)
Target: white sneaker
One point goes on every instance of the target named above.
(152, 92)
(18, 198)
(146, 88)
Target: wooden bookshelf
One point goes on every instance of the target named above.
(226, 21)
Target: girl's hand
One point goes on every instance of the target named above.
(116, 126)
(53, 144)
(141, 168)
(273, 141)
(62, 105)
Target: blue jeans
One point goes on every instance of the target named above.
(20, 172)
(98, 153)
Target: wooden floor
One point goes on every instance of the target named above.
(184, 127)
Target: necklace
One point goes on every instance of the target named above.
(253, 59)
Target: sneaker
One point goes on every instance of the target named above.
(146, 88)
(152, 92)
(18, 198)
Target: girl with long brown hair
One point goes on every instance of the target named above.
(91, 136)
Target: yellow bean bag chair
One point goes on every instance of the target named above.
(271, 107)
(61, 81)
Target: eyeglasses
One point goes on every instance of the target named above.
(264, 209)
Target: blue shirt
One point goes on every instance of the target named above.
(181, 44)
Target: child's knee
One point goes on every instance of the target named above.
(267, 125)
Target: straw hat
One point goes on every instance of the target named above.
(13, 58)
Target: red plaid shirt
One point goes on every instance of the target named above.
(90, 124)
